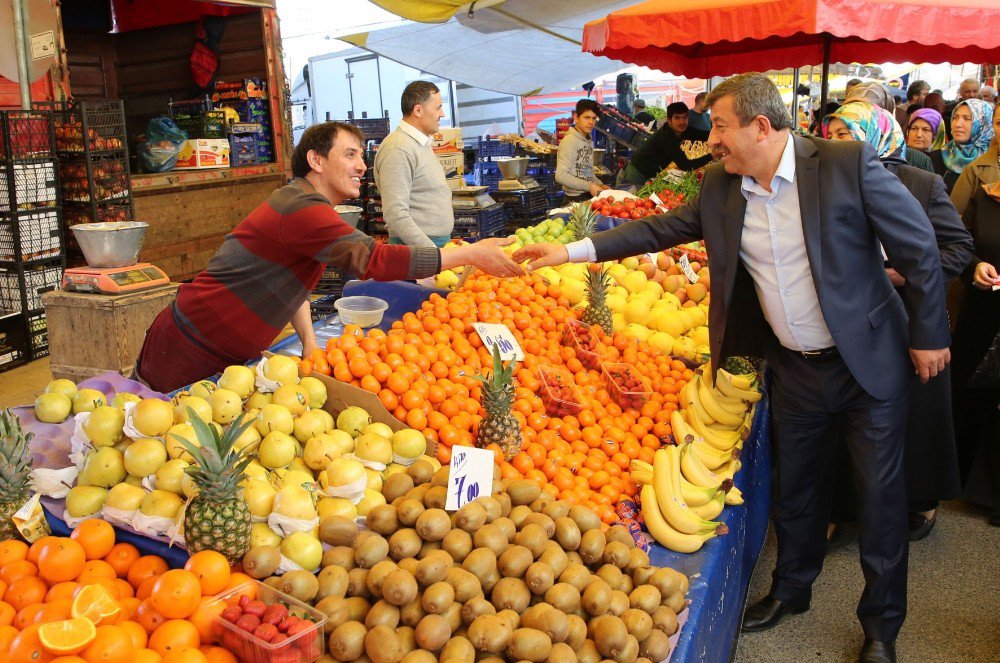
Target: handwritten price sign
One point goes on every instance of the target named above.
(685, 264)
(470, 475)
(501, 336)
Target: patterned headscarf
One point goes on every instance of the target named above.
(959, 155)
(933, 118)
(870, 124)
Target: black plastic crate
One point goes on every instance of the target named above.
(489, 148)
(487, 174)
(13, 340)
(21, 288)
(375, 129)
(88, 126)
(323, 307)
(100, 178)
(522, 202)
(473, 225)
(28, 236)
(26, 135)
(25, 187)
(112, 211)
(556, 199)
(38, 335)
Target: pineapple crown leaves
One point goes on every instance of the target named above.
(582, 221)
(501, 375)
(10, 431)
(217, 461)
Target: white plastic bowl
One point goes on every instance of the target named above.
(361, 311)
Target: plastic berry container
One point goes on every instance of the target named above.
(572, 334)
(303, 647)
(626, 386)
(559, 394)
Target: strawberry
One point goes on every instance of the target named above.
(266, 632)
(244, 599)
(305, 641)
(248, 623)
(232, 613)
(232, 641)
(278, 639)
(255, 608)
(274, 614)
(288, 623)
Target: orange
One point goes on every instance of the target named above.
(68, 659)
(146, 656)
(97, 604)
(185, 655)
(7, 613)
(236, 579)
(16, 570)
(148, 617)
(97, 568)
(27, 615)
(111, 645)
(7, 635)
(68, 636)
(176, 594)
(122, 557)
(204, 617)
(27, 648)
(218, 655)
(61, 561)
(56, 611)
(174, 634)
(61, 590)
(129, 605)
(145, 567)
(12, 551)
(26, 591)
(136, 632)
(145, 588)
(97, 537)
(212, 570)
(35, 549)
(123, 589)
(106, 583)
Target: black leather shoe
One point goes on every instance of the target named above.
(920, 525)
(875, 651)
(767, 612)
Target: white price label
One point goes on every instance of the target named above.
(656, 199)
(470, 475)
(496, 334)
(43, 45)
(685, 264)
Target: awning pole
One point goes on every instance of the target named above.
(20, 8)
(795, 98)
(825, 89)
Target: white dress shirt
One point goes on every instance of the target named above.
(423, 140)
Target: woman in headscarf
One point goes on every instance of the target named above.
(971, 133)
(977, 197)
(925, 130)
(879, 95)
(930, 457)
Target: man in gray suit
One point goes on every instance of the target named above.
(794, 228)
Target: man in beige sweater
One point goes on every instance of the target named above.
(416, 198)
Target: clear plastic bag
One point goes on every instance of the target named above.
(163, 143)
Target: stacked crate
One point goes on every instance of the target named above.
(525, 207)
(486, 172)
(31, 234)
(249, 97)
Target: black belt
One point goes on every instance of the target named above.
(826, 354)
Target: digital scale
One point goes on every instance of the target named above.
(471, 197)
(114, 280)
(515, 174)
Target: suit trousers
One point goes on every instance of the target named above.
(809, 398)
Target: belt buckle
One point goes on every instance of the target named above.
(811, 354)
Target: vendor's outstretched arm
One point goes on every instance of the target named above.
(485, 255)
(302, 324)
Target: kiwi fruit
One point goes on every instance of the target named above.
(261, 561)
(489, 633)
(609, 634)
(458, 544)
(432, 632)
(557, 509)
(505, 525)
(643, 659)
(433, 524)
(464, 583)
(273, 581)
(342, 556)
(475, 607)
(665, 620)
(420, 471)
(619, 603)
(418, 492)
(642, 576)
(587, 652)
(347, 642)
(567, 533)
(381, 645)
(548, 620)
(301, 585)
(427, 548)
(510, 618)
(370, 550)
(510, 594)
(406, 638)
(519, 513)
(616, 552)
(357, 583)
(592, 545)
(630, 652)
(596, 598)
(333, 581)
(491, 537)
(397, 485)
(408, 510)
(539, 577)
(576, 632)
(543, 500)
(532, 537)
(418, 655)
(503, 499)
(357, 608)
(453, 614)
(542, 520)
(491, 580)
(399, 587)
(576, 575)
(459, 650)
(665, 580)
(440, 477)
(335, 609)
(470, 517)
(529, 644)
(626, 585)
(404, 542)
(637, 559)
(377, 575)
(481, 562)
(437, 598)
(436, 497)
(621, 534)
(433, 568)
(584, 518)
(409, 564)
(563, 596)
(561, 653)
(382, 612)
(676, 602)
(492, 506)
(337, 531)
(611, 574)
(411, 613)
(554, 556)
(638, 622)
(655, 646)
(574, 557)
(514, 561)
(382, 519)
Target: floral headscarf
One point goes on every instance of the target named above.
(959, 155)
(870, 124)
(933, 118)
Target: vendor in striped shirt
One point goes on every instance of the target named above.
(260, 279)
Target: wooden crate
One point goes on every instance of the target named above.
(93, 334)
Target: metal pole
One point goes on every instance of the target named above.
(825, 89)
(795, 98)
(20, 8)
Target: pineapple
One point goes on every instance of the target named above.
(582, 221)
(597, 311)
(15, 472)
(217, 518)
(499, 426)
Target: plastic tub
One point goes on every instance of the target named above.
(626, 385)
(555, 380)
(571, 337)
(361, 311)
(302, 647)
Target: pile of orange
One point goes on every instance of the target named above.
(424, 372)
(87, 599)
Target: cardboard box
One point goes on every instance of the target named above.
(452, 162)
(204, 153)
(448, 139)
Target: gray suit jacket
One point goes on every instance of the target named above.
(849, 203)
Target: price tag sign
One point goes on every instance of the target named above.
(470, 475)
(656, 199)
(685, 264)
(501, 336)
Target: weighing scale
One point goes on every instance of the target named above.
(471, 197)
(114, 280)
(515, 174)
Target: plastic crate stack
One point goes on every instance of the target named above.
(328, 290)
(249, 97)
(31, 235)
(524, 207)
(473, 225)
(486, 172)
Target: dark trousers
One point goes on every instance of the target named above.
(809, 399)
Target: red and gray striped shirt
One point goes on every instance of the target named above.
(270, 263)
